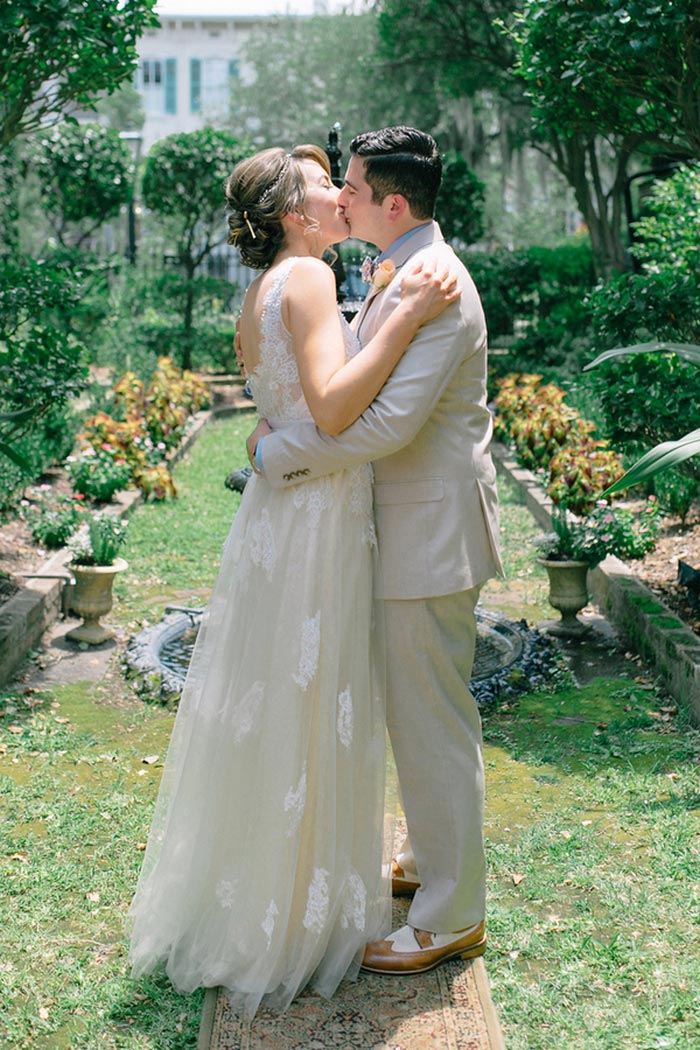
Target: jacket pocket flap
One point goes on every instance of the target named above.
(424, 490)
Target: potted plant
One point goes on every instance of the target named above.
(578, 544)
(93, 565)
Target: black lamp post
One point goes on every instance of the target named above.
(334, 153)
(134, 140)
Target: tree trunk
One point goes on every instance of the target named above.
(189, 311)
(578, 159)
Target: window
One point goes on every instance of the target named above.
(215, 75)
(156, 80)
(150, 82)
(152, 72)
(195, 85)
(170, 85)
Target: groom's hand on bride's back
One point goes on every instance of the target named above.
(262, 430)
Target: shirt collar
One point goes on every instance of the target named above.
(401, 240)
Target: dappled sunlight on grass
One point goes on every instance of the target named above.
(593, 833)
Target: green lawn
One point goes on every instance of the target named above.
(593, 829)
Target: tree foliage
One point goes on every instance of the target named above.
(458, 45)
(667, 237)
(647, 398)
(58, 54)
(460, 203)
(41, 362)
(86, 174)
(183, 183)
(615, 67)
(590, 83)
(308, 73)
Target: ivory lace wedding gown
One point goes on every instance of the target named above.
(263, 867)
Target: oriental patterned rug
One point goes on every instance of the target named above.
(449, 1008)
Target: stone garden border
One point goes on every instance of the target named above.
(657, 634)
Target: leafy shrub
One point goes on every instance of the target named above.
(550, 436)
(604, 530)
(667, 235)
(86, 173)
(143, 321)
(647, 399)
(505, 281)
(98, 473)
(460, 204)
(129, 438)
(637, 307)
(580, 472)
(676, 492)
(41, 368)
(155, 420)
(54, 523)
(172, 397)
(535, 419)
(537, 295)
(182, 184)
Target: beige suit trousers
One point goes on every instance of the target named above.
(435, 732)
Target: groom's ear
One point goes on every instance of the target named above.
(396, 206)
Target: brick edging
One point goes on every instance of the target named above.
(660, 637)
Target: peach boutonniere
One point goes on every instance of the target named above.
(378, 274)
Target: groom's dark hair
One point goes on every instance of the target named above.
(401, 160)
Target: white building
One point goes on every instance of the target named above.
(189, 65)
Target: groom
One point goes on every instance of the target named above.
(428, 435)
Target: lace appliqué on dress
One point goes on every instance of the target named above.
(294, 803)
(226, 892)
(310, 648)
(315, 496)
(275, 382)
(317, 901)
(345, 718)
(354, 902)
(268, 924)
(263, 551)
(244, 717)
(360, 500)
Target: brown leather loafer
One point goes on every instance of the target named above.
(397, 956)
(403, 883)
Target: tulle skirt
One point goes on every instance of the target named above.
(262, 872)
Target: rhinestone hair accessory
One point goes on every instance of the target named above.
(277, 179)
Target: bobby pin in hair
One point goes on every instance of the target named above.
(247, 221)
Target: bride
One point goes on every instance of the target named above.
(263, 867)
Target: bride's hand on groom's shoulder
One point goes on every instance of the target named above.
(430, 287)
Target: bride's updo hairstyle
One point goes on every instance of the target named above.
(260, 191)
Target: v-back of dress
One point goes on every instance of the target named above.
(263, 866)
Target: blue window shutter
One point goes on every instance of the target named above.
(234, 69)
(195, 85)
(170, 85)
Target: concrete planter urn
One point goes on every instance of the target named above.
(92, 598)
(568, 593)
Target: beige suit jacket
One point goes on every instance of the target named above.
(427, 434)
